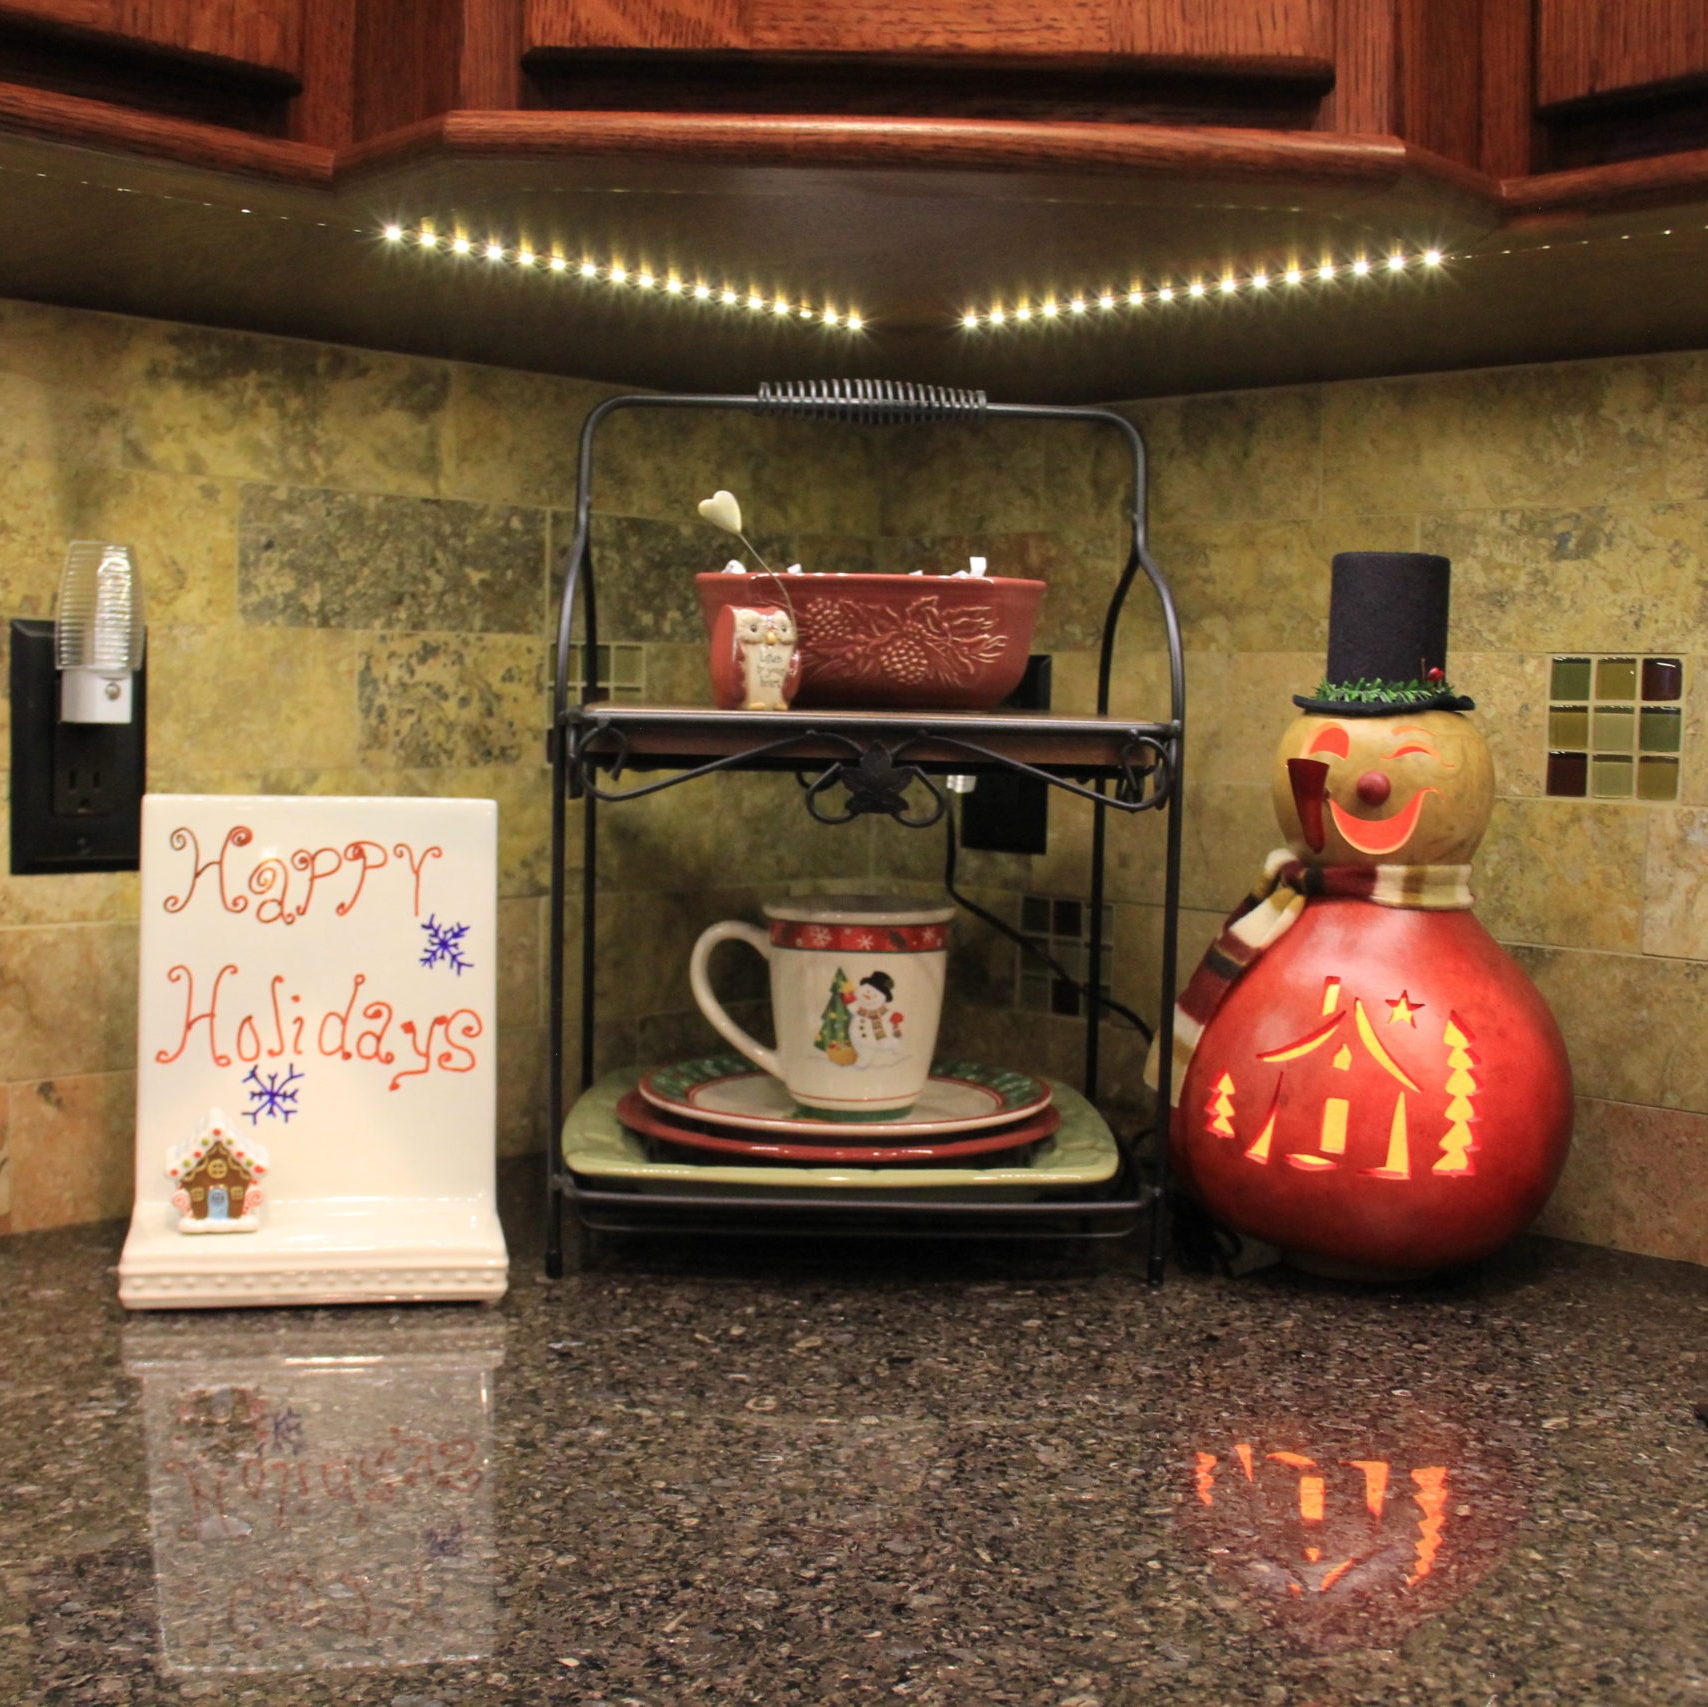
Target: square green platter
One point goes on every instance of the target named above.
(1081, 1152)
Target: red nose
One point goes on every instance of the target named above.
(1373, 788)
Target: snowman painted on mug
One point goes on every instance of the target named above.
(1362, 1075)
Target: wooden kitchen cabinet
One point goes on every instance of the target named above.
(256, 35)
(1195, 30)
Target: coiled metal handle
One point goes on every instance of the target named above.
(881, 402)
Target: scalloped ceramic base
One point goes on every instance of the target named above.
(324, 1251)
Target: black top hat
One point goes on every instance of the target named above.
(1387, 636)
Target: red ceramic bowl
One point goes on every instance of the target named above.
(914, 642)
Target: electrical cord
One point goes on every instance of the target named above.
(950, 850)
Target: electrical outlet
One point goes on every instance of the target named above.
(76, 787)
(1006, 812)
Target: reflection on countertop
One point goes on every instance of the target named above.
(319, 1496)
(745, 1473)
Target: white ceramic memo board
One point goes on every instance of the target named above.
(317, 1026)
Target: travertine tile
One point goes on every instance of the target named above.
(180, 528)
(450, 699)
(1232, 456)
(824, 477)
(1264, 586)
(1581, 1207)
(720, 830)
(645, 940)
(960, 478)
(521, 964)
(1675, 884)
(522, 1095)
(73, 1150)
(515, 438)
(5, 1159)
(522, 791)
(325, 559)
(643, 575)
(1227, 830)
(1685, 393)
(1571, 433)
(1599, 579)
(61, 399)
(1632, 1024)
(658, 463)
(202, 401)
(1637, 1180)
(1587, 893)
(253, 696)
(67, 1000)
(1510, 690)
(1238, 708)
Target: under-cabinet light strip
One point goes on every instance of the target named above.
(520, 257)
(1166, 292)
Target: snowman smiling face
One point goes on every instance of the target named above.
(1411, 788)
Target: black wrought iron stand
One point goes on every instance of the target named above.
(871, 762)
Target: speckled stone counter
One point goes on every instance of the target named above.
(756, 1474)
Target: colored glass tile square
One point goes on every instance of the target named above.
(1568, 726)
(1663, 678)
(1615, 729)
(1660, 729)
(1610, 776)
(1570, 679)
(1616, 678)
(1657, 779)
(1568, 775)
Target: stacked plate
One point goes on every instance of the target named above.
(716, 1126)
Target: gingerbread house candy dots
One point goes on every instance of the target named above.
(215, 1179)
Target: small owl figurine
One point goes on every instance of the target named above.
(755, 663)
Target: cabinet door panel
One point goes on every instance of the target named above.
(262, 33)
(1189, 29)
(1585, 48)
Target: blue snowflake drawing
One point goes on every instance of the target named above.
(271, 1094)
(285, 1426)
(445, 946)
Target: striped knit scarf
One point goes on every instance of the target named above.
(1271, 909)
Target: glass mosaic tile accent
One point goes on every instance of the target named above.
(622, 672)
(1615, 727)
(1061, 928)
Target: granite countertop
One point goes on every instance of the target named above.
(748, 1473)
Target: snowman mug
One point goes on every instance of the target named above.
(856, 996)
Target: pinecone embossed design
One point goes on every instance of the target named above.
(920, 644)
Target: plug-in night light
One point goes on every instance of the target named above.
(98, 633)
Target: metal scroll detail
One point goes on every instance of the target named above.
(876, 784)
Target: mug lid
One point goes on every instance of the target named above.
(859, 909)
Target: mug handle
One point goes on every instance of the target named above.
(731, 930)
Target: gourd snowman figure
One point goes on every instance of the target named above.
(1362, 1075)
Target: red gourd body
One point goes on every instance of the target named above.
(1424, 1126)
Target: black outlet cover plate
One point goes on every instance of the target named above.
(59, 822)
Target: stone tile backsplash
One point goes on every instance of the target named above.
(351, 563)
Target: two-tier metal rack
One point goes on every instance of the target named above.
(854, 763)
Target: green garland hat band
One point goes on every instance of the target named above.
(1373, 696)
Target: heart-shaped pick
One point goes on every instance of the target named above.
(722, 511)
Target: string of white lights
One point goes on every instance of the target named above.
(1165, 292)
(520, 257)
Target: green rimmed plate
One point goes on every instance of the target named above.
(1082, 1152)
(728, 1090)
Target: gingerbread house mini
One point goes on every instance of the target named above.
(215, 1178)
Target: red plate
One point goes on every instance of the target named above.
(639, 1115)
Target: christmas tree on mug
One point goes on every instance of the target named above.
(833, 1029)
